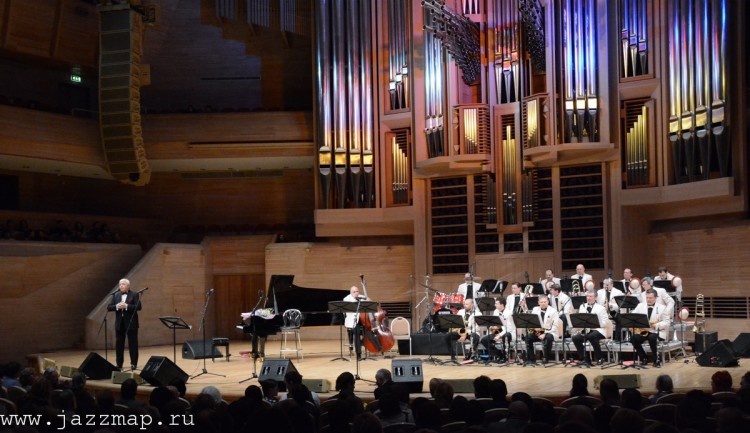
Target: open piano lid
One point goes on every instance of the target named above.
(312, 302)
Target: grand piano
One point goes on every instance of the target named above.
(283, 294)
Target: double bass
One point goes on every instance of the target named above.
(375, 323)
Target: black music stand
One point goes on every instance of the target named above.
(536, 288)
(584, 321)
(577, 301)
(634, 321)
(174, 323)
(491, 321)
(341, 307)
(531, 302)
(451, 321)
(619, 285)
(486, 304)
(527, 321)
(623, 302)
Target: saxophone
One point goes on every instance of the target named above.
(700, 314)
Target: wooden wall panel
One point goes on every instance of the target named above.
(29, 27)
(176, 277)
(711, 261)
(235, 294)
(272, 201)
(78, 34)
(48, 288)
(238, 254)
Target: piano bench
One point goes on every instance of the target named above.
(220, 342)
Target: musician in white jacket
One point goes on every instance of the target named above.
(662, 297)
(658, 330)
(547, 334)
(591, 335)
(497, 335)
(514, 303)
(664, 275)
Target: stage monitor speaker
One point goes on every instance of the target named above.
(317, 385)
(462, 386)
(408, 372)
(275, 369)
(97, 368)
(624, 381)
(741, 345)
(704, 340)
(118, 377)
(160, 371)
(194, 349)
(721, 354)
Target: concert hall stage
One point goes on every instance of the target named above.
(552, 382)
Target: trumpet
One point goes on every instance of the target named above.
(700, 314)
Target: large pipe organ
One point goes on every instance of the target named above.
(515, 126)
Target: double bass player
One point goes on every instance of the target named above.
(355, 328)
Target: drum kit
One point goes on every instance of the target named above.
(447, 301)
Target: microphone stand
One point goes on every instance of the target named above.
(253, 354)
(104, 325)
(203, 325)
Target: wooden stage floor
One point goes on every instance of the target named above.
(552, 382)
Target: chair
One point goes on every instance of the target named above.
(663, 412)
(401, 427)
(292, 322)
(10, 407)
(326, 405)
(452, 427)
(724, 397)
(495, 414)
(401, 330)
(16, 394)
(445, 416)
(582, 400)
(373, 406)
(673, 398)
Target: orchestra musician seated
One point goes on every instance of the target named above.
(606, 298)
(548, 317)
(591, 335)
(468, 332)
(497, 335)
(659, 321)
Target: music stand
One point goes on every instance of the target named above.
(619, 285)
(341, 307)
(584, 321)
(448, 321)
(527, 321)
(486, 304)
(623, 302)
(490, 321)
(633, 321)
(531, 302)
(174, 323)
(577, 301)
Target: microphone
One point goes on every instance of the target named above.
(261, 294)
(142, 290)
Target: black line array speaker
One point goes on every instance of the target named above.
(275, 369)
(97, 368)
(121, 46)
(160, 371)
(721, 354)
(741, 345)
(194, 349)
(408, 372)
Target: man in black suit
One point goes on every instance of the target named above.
(126, 303)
